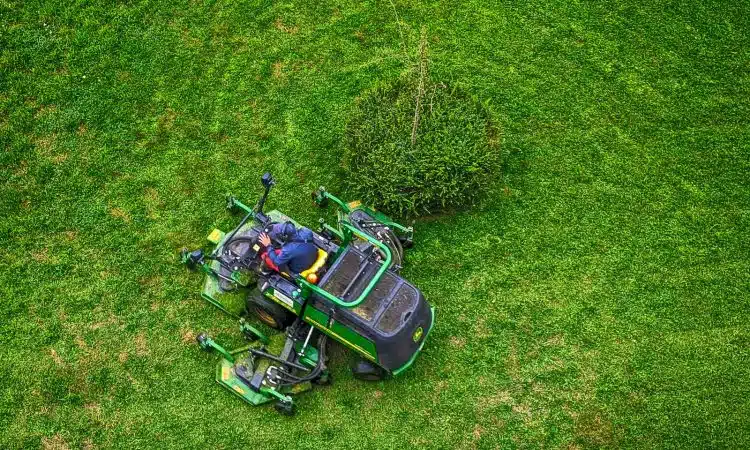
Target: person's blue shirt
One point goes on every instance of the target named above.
(298, 254)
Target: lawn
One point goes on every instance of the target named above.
(599, 296)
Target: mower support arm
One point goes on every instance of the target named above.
(208, 344)
(321, 195)
(232, 202)
(330, 229)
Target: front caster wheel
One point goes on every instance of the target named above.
(204, 342)
(231, 203)
(320, 199)
(191, 259)
(284, 408)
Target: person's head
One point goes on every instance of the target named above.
(283, 232)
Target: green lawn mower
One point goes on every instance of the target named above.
(351, 294)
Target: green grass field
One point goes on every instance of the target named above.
(598, 297)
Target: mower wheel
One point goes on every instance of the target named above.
(269, 312)
(319, 199)
(324, 380)
(284, 408)
(231, 205)
(367, 371)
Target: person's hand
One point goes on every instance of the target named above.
(264, 239)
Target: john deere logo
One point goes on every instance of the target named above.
(417, 334)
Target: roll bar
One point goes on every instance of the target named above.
(307, 288)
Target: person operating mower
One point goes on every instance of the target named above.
(297, 252)
(340, 283)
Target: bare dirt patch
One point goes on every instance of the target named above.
(153, 203)
(60, 158)
(55, 442)
(111, 320)
(557, 340)
(457, 342)
(141, 346)
(151, 284)
(22, 169)
(522, 409)
(290, 29)
(501, 398)
(80, 343)
(277, 70)
(41, 256)
(166, 120)
(56, 358)
(44, 110)
(573, 415)
(187, 336)
(491, 400)
(120, 214)
(595, 429)
(45, 143)
(477, 433)
(123, 75)
(82, 129)
(481, 331)
(511, 363)
(94, 410)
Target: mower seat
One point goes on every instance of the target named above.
(317, 265)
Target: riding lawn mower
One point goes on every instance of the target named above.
(352, 294)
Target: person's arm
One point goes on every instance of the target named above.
(281, 258)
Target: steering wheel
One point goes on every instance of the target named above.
(243, 250)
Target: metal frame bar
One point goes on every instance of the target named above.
(307, 288)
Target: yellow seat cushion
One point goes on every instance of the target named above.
(322, 256)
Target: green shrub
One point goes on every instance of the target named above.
(454, 157)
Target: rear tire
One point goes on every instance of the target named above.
(269, 312)
(367, 371)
